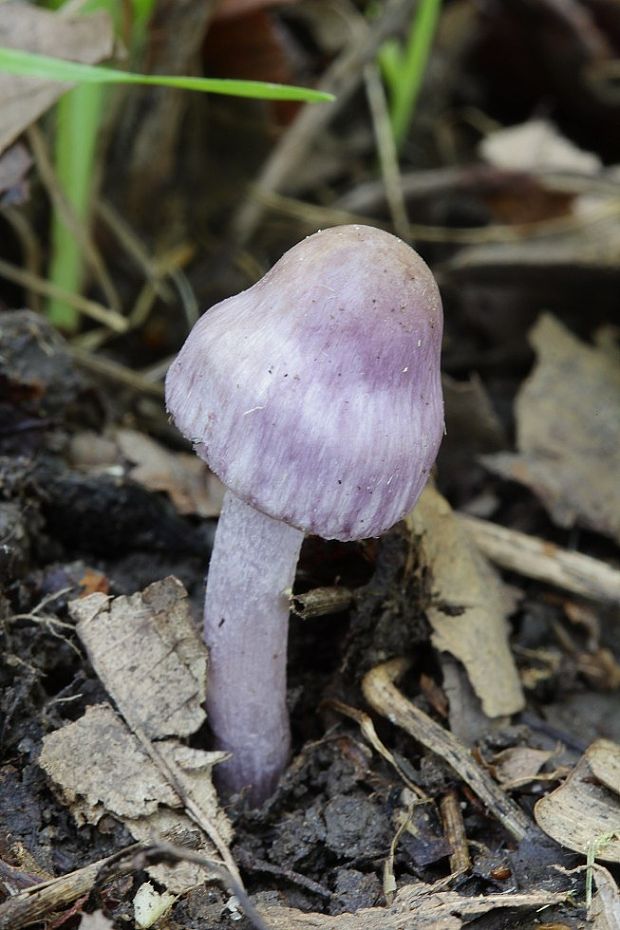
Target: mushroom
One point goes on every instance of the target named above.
(315, 396)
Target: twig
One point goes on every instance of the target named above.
(384, 697)
(34, 903)
(112, 371)
(454, 828)
(321, 601)
(89, 308)
(544, 561)
(340, 79)
(368, 731)
(69, 216)
(386, 149)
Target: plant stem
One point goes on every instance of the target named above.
(252, 570)
(77, 127)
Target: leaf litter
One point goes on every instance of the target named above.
(152, 663)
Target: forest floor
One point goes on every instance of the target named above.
(454, 685)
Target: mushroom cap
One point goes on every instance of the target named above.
(315, 395)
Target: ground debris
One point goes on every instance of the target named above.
(469, 605)
(568, 431)
(415, 904)
(148, 655)
(584, 812)
(87, 39)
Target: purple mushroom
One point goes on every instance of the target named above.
(315, 396)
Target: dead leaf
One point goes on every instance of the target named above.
(148, 655)
(415, 905)
(604, 911)
(519, 765)
(536, 145)
(118, 779)
(587, 806)
(192, 488)
(83, 38)
(470, 605)
(568, 431)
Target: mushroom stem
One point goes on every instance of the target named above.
(246, 629)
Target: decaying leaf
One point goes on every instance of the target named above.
(84, 38)
(584, 813)
(147, 652)
(470, 605)
(415, 905)
(101, 768)
(149, 657)
(184, 477)
(604, 911)
(519, 765)
(568, 431)
(536, 145)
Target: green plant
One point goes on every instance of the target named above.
(78, 119)
(403, 66)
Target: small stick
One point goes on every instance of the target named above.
(112, 371)
(33, 904)
(544, 561)
(384, 697)
(454, 828)
(341, 79)
(89, 308)
(321, 601)
(386, 150)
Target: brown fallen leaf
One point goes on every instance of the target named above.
(568, 431)
(84, 38)
(415, 906)
(604, 911)
(192, 488)
(469, 605)
(519, 765)
(584, 813)
(148, 655)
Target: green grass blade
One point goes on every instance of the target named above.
(407, 87)
(28, 64)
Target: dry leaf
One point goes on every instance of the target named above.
(470, 605)
(586, 808)
(415, 906)
(183, 476)
(536, 145)
(100, 767)
(519, 765)
(87, 39)
(604, 911)
(147, 652)
(149, 905)
(568, 431)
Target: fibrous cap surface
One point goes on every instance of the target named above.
(315, 395)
